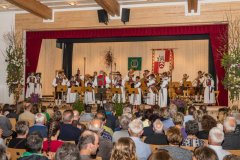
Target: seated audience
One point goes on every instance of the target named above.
(189, 116)
(208, 122)
(88, 145)
(3, 154)
(204, 153)
(160, 155)
(197, 115)
(27, 115)
(107, 133)
(143, 150)
(124, 122)
(67, 151)
(191, 128)
(22, 131)
(178, 121)
(52, 143)
(231, 139)
(175, 138)
(124, 149)
(67, 131)
(35, 109)
(215, 139)
(33, 148)
(158, 137)
(39, 125)
(12, 112)
(87, 115)
(148, 131)
(222, 114)
(5, 125)
(165, 118)
(44, 111)
(110, 117)
(105, 145)
(75, 118)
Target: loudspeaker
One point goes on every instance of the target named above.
(102, 16)
(59, 45)
(125, 15)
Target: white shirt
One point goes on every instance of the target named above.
(221, 153)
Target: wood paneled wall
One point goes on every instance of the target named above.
(145, 16)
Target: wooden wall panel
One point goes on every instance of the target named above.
(145, 16)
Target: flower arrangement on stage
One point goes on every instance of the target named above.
(109, 58)
(231, 58)
(15, 64)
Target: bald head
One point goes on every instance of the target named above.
(229, 124)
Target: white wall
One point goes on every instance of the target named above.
(7, 20)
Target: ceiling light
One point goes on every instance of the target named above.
(72, 3)
(4, 7)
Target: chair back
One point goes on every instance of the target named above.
(235, 152)
(15, 153)
(13, 123)
(72, 142)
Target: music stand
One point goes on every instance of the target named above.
(133, 91)
(76, 89)
(116, 91)
(88, 89)
(61, 88)
(145, 89)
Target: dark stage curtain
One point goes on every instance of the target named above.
(34, 39)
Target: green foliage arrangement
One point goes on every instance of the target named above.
(231, 58)
(79, 106)
(118, 107)
(15, 64)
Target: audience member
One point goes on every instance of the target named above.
(222, 114)
(178, 120)
(124, 122)
(135, 130)
(148, 131)
(67, 151)
(33, 148)
(189, 116)
(203, 108)
(27, 114)
(158, 137)
(191, 128)
(39, 125)
(67, 131)
(44, 111)
(204, 153)
(108, 132)
(35, 109)
(231, 139)
(208, 122)
(175, 138)
(197, 116)
(22, 130)
(111, 119)
(3, 154)
(160, 155)
(88, 145)
(87, 115)
(105, 145)
(52, 143)
(12, 112)
(215, 139)
(165, 118)
(5, 125)
(124, 149)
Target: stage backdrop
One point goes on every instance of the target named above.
(189, 57)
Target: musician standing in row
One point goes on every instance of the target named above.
(209, 95)
(135, 99)
(198, 84)
(31, 80)
(163, 92)
(151, 96)
(59, 80)
(89, 97)
(117, 83)
(72, 96)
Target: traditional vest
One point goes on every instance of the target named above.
(101, 80)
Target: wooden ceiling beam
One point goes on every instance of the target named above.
(111, 6)
(34, 7)
(192, 5)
